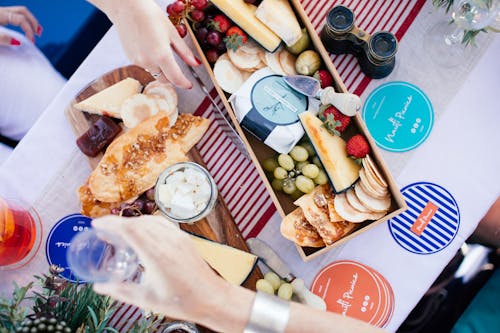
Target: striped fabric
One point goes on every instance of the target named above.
(371, 16)
(236, 177)
(441, 229)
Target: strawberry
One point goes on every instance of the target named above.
(324, 77)
(334, 121)
(357, 147)
(220, 23)
(235, 37)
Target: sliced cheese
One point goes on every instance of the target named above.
(232, 264)
(278, 16)
(109, 101)
(243, 14)
(342, 170)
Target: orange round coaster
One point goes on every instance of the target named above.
(351, 289)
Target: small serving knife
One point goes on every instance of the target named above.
(233, 135)
(271, 260)
(348, 104)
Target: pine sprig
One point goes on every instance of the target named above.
(11, 312)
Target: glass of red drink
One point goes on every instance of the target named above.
(20, 234)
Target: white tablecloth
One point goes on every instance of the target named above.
(461, 154)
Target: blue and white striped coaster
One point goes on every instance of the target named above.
(431, 222)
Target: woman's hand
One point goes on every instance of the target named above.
(19, 16)
(176, 281)
(149, 38)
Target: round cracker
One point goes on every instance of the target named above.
(369, 188)
(272, 60)
(353, 200)
(372, 179)
(350, 214)
(228, 76)
(251, 47)
(243, 60)
(374, 204)
(370, 164)
(287, 62)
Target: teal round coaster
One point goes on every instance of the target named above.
(399, 116)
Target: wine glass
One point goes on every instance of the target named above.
(444, 40)
(20, 234)
(100, 256)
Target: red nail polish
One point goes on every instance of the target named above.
(197, 60)
(14, 42)
(39, 30)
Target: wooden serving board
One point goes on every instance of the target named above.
(219, 225)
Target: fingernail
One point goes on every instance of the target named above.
(191, 86)
(39, 30)
(198, 61)
(14, 42)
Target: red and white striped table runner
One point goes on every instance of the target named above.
(236, 177)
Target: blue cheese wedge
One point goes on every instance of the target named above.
(232, 264)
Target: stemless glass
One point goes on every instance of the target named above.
(444, 40)
(99, 256)
(20, 234)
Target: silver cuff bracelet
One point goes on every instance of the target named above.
(270, 314)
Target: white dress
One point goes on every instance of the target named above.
(28, 83)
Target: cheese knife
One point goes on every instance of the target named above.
(271, 260)
(347, 103)
(233, 135)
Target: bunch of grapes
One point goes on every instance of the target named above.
(297, 172)
(181, 9)
(271, 283)
(144, 205)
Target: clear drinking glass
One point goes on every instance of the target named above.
(20, 234)
(99, 256)
(444, 40)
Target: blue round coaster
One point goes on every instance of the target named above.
(399, 116)
(431, 221)
(59, 240)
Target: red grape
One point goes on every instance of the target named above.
(138, 204)
(150, 194)
(197, 15)
(149, 207)
(214, 37)
(178, 7)
(201, 34)
(199, 4)
(115, 211)
(130, 212)
(170, 10)
(221, 47)
(181, 29)
(212, 55)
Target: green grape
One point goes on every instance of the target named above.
(300, 165)
(304, 184)
(317, 162)
(299, 154)
(270, 164)
(286, 162)
(280, 173)
(297, 194)
(273, 279)
(264, 286)
(310, 171)
(309, 147)
(285, 291)
(321, 179)
(289, 186)
(277, 184)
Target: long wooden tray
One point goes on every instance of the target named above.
(219, 225)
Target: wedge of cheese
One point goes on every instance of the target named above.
(232, 264)
(243, 14)
(278, 16)
(342, 170)
(109, 101)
